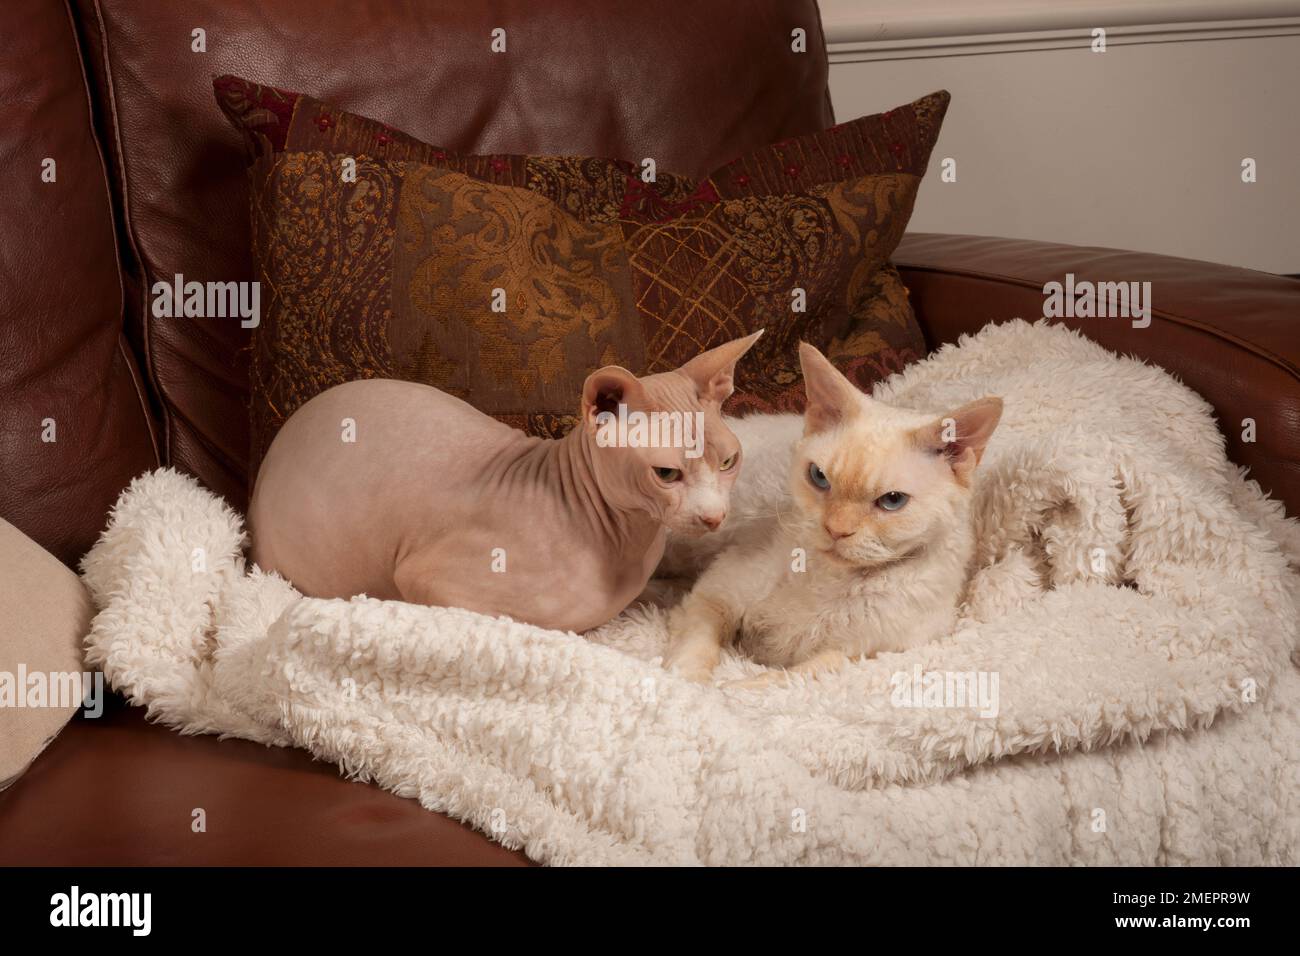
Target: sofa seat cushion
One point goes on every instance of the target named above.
(122, 791)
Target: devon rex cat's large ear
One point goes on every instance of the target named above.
(713, 372)
(831, 397)
(963, 434)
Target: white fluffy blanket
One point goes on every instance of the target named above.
(1133, 599)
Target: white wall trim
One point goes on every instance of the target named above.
(860, 30)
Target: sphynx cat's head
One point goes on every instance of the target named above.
(873, 483)
(659, 443)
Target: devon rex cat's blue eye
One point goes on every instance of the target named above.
(892, 500)
(818, 477)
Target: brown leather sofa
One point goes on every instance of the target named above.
(149, 183)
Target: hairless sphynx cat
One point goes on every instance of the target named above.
(400, 491)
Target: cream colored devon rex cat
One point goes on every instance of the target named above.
(435, 503)
(869, 547)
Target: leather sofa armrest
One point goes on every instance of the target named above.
(1231, 334)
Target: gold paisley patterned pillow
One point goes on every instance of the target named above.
(506, 279)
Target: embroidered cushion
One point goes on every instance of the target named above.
(506, 279)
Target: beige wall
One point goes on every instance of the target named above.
(1139, 147)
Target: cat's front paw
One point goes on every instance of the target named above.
(696, 675)
(691, 663)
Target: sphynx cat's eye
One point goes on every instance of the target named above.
(818, 477)
(668, 475)
(892, 500)
(730, 462)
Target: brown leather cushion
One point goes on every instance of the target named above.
(121, 791)
(692, 84)
(505, 279)
(65, 373)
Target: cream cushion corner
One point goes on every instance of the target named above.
(45, 613)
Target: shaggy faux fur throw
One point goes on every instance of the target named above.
(1133, 606)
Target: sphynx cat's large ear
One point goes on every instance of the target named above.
(831, 397)
(962, 435)
(714, 371)
(607, 388)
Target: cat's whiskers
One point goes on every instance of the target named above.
(780, 517)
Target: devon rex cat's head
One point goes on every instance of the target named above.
(659, 443)
(873, 483)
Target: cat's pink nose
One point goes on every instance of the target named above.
(712, 522)
(836, 535)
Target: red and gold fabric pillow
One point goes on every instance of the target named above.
(505, 279)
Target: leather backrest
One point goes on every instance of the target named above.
(689, 84)
(74, 426)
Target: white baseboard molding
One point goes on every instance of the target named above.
(858, 30)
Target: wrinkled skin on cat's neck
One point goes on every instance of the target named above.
(435, 503)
